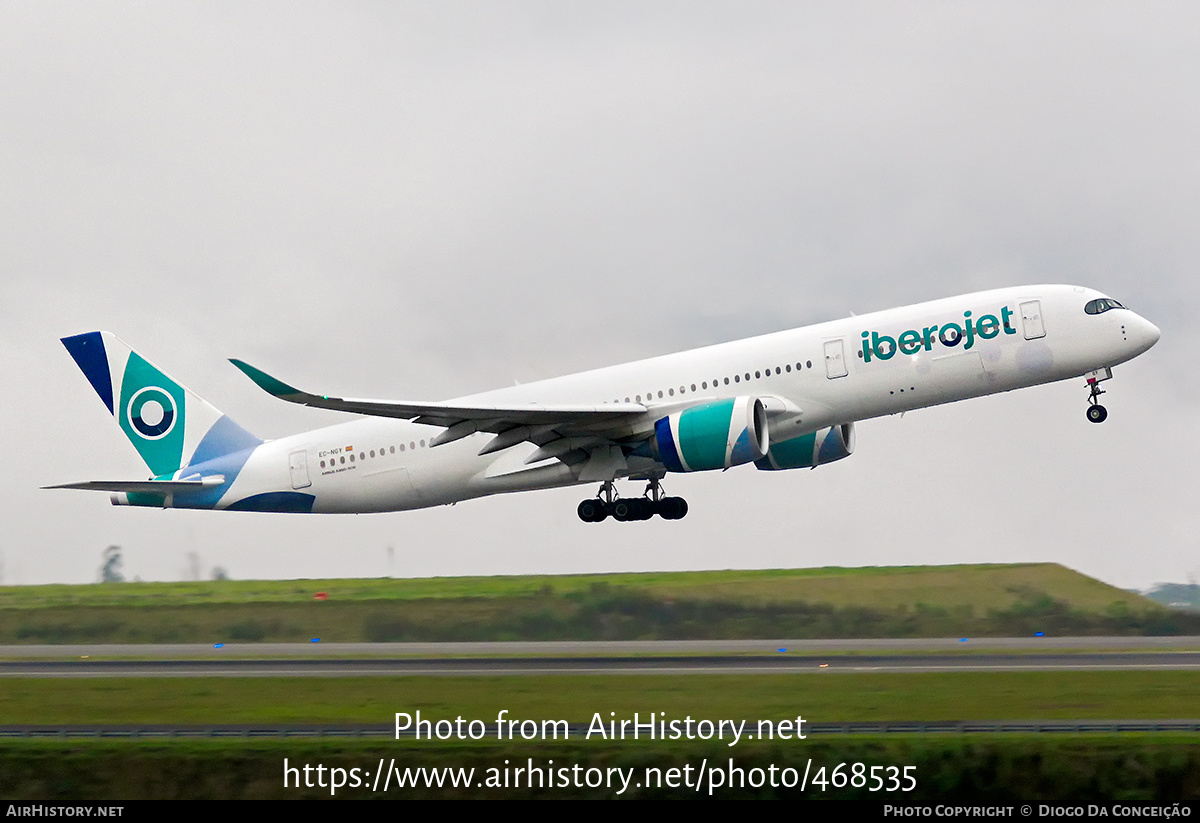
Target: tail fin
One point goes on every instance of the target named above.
(169, 426)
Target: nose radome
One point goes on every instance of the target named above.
(1146, 333)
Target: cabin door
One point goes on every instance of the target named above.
(835, 359)
(298, 467)
(1031, 320)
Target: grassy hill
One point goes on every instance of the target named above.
(979, 600)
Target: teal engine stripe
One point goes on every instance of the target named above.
(717, 435)
(810, 450)
(704, 436)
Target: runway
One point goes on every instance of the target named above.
(624, 658)
(686, 658)
(318, 648)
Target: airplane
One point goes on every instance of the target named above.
(786, 400)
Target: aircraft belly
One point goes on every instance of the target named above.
(507, 471)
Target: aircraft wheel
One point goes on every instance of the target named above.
(645, 509)
(591, 511)
(1097, 413)
(639, 508)
(624, 510)
(672, 508)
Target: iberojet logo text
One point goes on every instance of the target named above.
(882, 347)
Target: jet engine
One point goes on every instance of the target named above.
(712, 436)
(810, 450)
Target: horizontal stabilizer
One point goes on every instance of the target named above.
(145, 486)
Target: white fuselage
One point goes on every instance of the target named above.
(810, 378)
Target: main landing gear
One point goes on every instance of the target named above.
(625, 509)
(1097, 413)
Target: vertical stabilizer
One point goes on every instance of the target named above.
(170, 427)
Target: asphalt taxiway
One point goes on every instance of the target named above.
(631, 657)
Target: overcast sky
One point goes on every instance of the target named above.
(424, 200)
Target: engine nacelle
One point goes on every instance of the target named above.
(713, 436)
(810, 450)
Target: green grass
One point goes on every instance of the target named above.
(904, 601)
(986, 600)
(958, 770)
(981, 587)
(825, 697)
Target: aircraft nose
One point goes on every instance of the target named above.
(1143, 333)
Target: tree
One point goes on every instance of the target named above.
(110, 572)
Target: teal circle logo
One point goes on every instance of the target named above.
(152, 413)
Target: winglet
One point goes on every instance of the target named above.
(266, 382)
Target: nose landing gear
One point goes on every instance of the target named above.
(627, 509)
(1097, 413)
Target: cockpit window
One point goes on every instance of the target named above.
(1101, 305)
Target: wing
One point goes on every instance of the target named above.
(572, 433)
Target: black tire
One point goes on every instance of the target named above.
(672, 508)
(1097, 413)
(591, 511)
(645, 509)
(624, 510)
